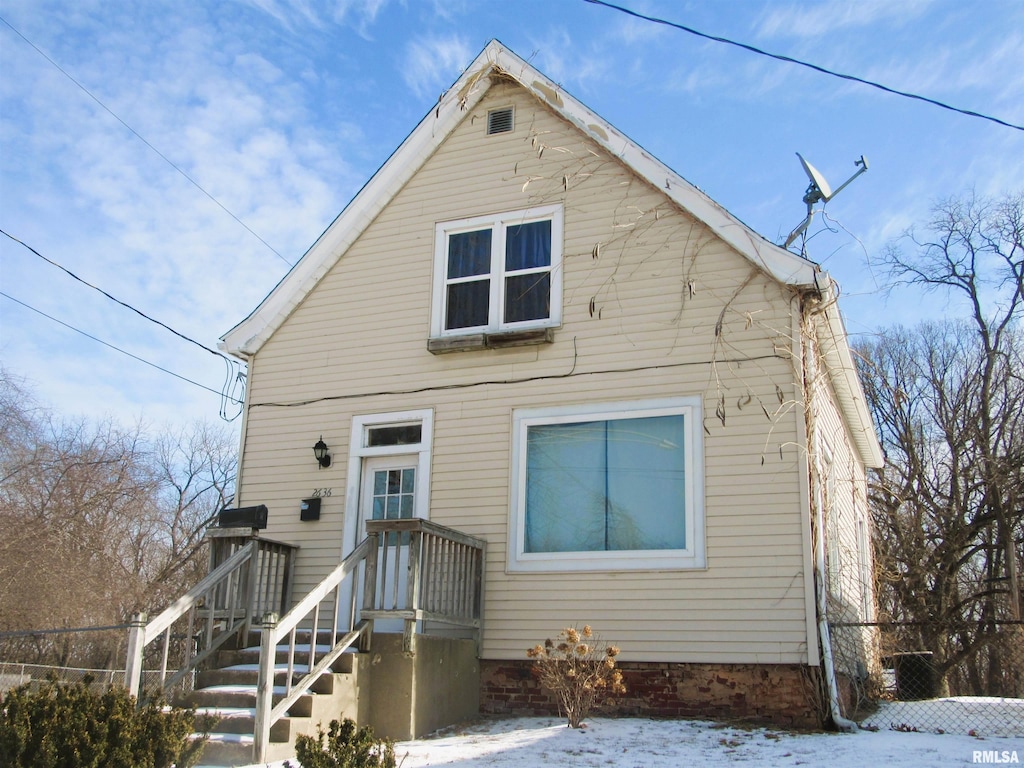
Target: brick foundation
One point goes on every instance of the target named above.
(770, 693)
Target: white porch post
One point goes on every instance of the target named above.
(133, 664)
(265, 688)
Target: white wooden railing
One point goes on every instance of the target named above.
(443, 574)
(444, 580)
(412, 570)
(250, 577)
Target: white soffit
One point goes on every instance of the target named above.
(245, 339)
(842, 372)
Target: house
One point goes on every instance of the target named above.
(527, 329)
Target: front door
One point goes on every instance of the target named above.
(388, 492)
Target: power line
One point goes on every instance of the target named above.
(116, 300)
(815, 67)
(123, 352)
(139, 136)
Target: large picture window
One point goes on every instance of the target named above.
(608, 487)
(495, 273)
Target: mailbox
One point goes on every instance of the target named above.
(243, 517)
(309, 509)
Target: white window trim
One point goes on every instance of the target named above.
(833, 521)
(498, 223)
(691, 558)
(358, 450)
(866, 566)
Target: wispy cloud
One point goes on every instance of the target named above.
(287, 12)
(431, 64)
(579, 66)
(106, 206)
(811, 20)
(360, 14)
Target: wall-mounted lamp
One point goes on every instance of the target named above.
(323, 458)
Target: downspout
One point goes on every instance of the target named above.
(825, 638)
(819, 582)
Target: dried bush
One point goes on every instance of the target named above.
(580, 673)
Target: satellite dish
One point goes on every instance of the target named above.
(819, 191)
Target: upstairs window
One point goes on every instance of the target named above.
(498, 273)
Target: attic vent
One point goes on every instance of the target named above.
(499, 121)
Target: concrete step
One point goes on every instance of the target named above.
(251, 655)
(239, 721)
(227, 750)
(228, 695)
(243, 696)
(229, 719)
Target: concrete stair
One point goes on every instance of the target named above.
(227, 694)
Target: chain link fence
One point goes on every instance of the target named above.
(92, 655)
(13, 675)
(911, 676)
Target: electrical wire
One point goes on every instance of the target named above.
(33, 632)
(815, 67)
(139, 136)
(525, 380)
(116, 300)
(118, 349)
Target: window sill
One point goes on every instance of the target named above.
(607, 562)
(474, 341)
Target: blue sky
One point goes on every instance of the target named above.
(281, 109)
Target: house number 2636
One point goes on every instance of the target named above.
(321, 492)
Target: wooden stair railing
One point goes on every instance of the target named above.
(444, 583)
(252, 573)
(307, 612)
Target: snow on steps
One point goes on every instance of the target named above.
(228, 695)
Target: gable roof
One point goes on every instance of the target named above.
(495, 61)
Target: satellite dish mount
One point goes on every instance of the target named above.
(819, 191)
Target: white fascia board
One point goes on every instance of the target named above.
(245, 339)
(838, 359)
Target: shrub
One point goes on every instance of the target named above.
(578, 671)
(70, 726)
(347, 747)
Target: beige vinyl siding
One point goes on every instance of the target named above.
(660, 286)
(847, 505)
(851, 584)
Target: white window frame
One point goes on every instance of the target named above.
(498, 223)
(359, 450)
(865, 563)
(833, 522)
(691, 558)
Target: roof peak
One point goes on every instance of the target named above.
(247, 337)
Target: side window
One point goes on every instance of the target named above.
(867, 574)
(498, 273)
(833, 529)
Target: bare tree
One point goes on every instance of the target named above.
(99, 521)
(948, 399)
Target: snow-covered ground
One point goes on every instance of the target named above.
(982, 715)
(538, 742)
